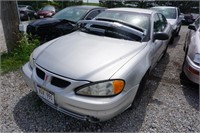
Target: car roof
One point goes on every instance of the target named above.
(49, 5)
(164, 7)
(87, 7)
(23, 5)
(138, 10)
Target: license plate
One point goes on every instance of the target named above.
(41, 16)
(46, 95)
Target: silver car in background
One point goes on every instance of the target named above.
(191, 64)
(99, 71)
(173, 16)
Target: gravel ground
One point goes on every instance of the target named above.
(167, 105)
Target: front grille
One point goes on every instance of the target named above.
(59, 82)
(54, 80)
(40, 73)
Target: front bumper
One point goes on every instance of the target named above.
(192, 70)
(92, 109)
(27, 75)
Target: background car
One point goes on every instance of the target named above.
(100, 70)
(172, 15)
(189, 18)
(63, 22)
(46, 11)
(26, 12)
(191, 64)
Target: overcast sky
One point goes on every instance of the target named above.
(91, 1)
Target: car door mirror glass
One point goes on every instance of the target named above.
(192, 27)
(161, 36)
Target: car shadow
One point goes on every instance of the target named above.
(175, 43)
(190, 91)
(32, 115)
(156, 77)
(35, 116)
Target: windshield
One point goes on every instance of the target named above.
(125, 25)
(137, 19)
(72, 14)
(169, 13)
(48, 8)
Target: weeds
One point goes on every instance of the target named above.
(14, 60)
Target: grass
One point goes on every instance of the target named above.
(20, 55)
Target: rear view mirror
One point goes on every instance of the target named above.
(161, 36)
(192, 27)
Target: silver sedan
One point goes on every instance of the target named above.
(191, 64)
(100, 70)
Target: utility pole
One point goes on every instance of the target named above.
(10, 23)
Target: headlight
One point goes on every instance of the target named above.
(49, 14)
(31, 61)
(102, 89)
(197, 59)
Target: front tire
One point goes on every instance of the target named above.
(165, 51)
(142, 87)
(171, 41)
(177, 32)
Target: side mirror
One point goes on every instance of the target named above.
(161, 36)
(192, 27)
(80, 25)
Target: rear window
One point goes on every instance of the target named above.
(169, 13)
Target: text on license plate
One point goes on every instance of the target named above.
(46, 95)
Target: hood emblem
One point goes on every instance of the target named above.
(46, 77)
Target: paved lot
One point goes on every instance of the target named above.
(168, 104)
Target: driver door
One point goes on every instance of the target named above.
(157, 44)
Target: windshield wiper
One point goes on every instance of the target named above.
(113, 25)
(107, 29)
(92, 30)
(122, 22)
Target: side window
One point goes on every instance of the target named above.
(30, 8)
(92, 14)
(179, 12)
(157, 24)
(163, 22)
(197, 23)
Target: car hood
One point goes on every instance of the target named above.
(44, 21)
(172, 21)
(83, 56)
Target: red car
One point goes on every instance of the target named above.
(46, 11)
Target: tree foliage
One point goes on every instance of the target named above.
(58, 3)
(185, 6)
